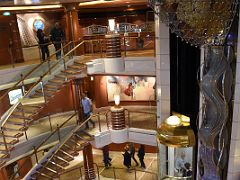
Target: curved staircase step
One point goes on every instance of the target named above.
(13, 127)
(13, 134)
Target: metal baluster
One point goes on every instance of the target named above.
(98, 172)
(40, 54)
(125, 47)
(22, 87)
(4, 141)
(50, 122)
(44, 96)
(49, 69)
(35, 153)
(25, 123)
(80, 172)
(59, 137)
(135, 173)
(64, 64)
(99, 123)
(114, 173)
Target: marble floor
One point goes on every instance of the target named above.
(117, 170)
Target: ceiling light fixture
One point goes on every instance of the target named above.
(96, 2)
(15, 8)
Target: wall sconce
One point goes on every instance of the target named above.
(92, 78)
(111, 25)
(117, 99)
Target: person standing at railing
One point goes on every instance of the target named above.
(57, 37)
(127, 158)
(132, 153)
(106, 159)
(87, 109)
(43, 41)
(141, 154)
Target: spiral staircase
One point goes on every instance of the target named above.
(24, 113)
(60, 156)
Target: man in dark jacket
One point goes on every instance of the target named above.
(141, 154)
(132, 153)
(57, 37)
(127, 158)
(43, 43)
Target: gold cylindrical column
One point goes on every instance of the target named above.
(113, 45)
(118, 118)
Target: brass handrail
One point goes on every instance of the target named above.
(31, 71)
(45, 140)
(66, 139)
(56, 130)
(14, 107)
(118, 168)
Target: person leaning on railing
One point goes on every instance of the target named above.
(57, 37)
(43, 43)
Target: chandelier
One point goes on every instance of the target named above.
(197, 22)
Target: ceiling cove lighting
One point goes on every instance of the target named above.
(96, 2)
(15, 8)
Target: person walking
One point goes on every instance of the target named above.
(127, 158)
(106, 159)
(141, 154)
(87, 109)
(43, 43)
(132, 153)
(57, 37)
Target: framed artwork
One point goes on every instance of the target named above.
(38, 24)
(131, 88)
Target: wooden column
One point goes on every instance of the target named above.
(73, 28)
(3, 173)
(88, 162)
(17, 53)
(77, 90)
(27, 165)
(10, 44)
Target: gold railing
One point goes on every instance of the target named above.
(112, 169)
(128, 43)
(130, 115)
(60, 140)
(101, 118)
(37, 83)
(24, 77)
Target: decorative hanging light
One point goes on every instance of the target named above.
(198, 22)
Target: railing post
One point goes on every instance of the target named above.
(114, 173)
(99, 123)
(48, 62)
(22, 87)
(80, 172)
(50, 123)
(108, 126)
(4, 140)
(44, 96)
(100, 42)
(135, 173)
(35, 153)
(25, 123)
(125, 47)
(59, 137)
(64, 63)
(40, 55)
(98, 172)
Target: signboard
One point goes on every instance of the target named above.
(15, 95)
